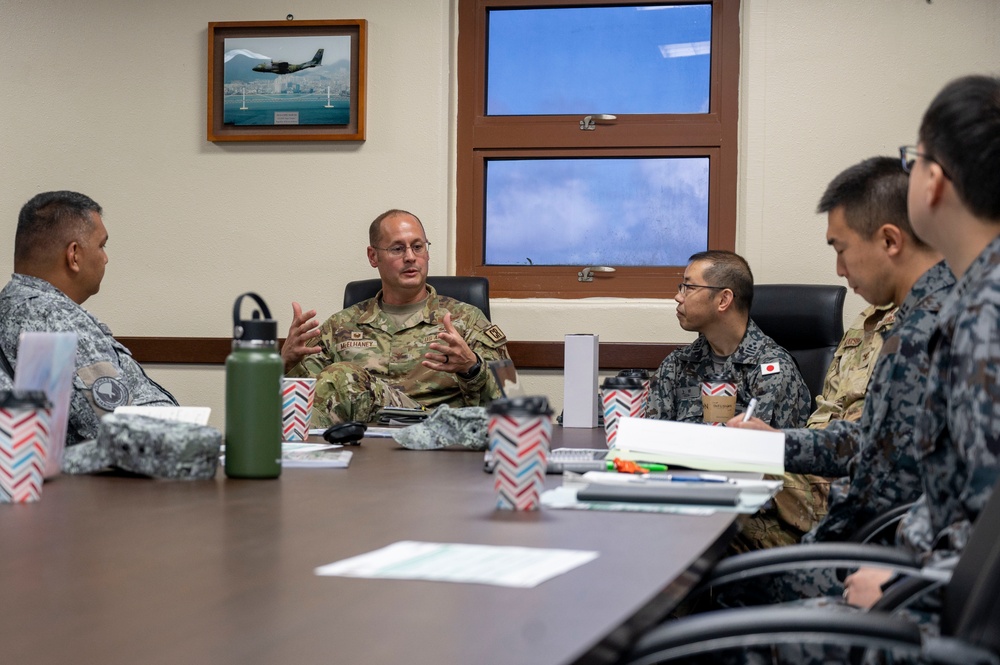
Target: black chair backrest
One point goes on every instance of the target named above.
(472, 290)
(971, 609)
(807, 320)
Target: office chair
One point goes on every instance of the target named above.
(807, 320)
(969, 616)
(471, 290)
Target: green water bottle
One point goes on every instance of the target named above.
(253, 396)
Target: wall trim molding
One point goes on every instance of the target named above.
(526, 355)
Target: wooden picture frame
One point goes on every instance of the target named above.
(287, 80)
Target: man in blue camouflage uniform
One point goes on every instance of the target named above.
(59, 261)
(714, 301)
(884, 262)
(406, 347)
(954, 204)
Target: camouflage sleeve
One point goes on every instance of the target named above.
(317, 362)
(973, 381)
(823, 452)
(488, 342)
(661, 399)
(783, 400)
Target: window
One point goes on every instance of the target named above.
(595, 133)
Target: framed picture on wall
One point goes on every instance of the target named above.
(287, 80)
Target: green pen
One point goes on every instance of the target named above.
(648, 467)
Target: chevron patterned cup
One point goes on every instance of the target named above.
(24, 440)
(297, 397)
(718, 399)
(519, 431)
(621, 397)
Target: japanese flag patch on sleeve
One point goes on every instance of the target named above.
(770, 368)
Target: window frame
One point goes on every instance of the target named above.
(481, 137)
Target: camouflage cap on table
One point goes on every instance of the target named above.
(465, 426)
(148, 446)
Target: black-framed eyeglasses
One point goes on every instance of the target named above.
(908, 155)
(684, 287)
(399, 250)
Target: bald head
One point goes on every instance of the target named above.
(375, 229)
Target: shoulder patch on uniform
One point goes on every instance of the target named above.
(494, 333)
(109, 393)
(770, 368)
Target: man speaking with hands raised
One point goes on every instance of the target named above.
(406, 347)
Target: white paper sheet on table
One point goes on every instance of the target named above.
(522, 567)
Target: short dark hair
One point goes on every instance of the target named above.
(961, 132)
(375, 229)
(49, 220)
(731, 271)
(872, 193)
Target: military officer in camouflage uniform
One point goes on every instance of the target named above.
(714, 300)
(408, 346)
(884, 262)
(59, 261)
(954, 204)
(803, 503)
(846, 381)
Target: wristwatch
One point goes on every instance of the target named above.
(473, 371)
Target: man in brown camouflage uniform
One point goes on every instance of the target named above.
(407, 346)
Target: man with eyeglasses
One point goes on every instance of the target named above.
(714, 300)
(406, 347)
(954, 205)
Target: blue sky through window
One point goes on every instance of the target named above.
(618, 60)
(617, 211)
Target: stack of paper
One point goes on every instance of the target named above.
(698, 446)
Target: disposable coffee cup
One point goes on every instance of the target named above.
(519, 431)
(297, 396)
(718, 399)
(25, 418)
(642, 375)
(621, 397)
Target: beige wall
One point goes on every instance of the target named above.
(108, 97)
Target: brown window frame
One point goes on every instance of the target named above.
(481, 137)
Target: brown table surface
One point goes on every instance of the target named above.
(111, 569)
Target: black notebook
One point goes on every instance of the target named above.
(663, 492)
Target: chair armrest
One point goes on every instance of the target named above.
(753, 626)
(876, 527)
(810, 556)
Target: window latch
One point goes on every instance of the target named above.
(590, 122)
(587, 274)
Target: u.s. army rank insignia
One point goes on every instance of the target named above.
(357, 334)
(494, 333)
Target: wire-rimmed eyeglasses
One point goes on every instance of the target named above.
(399, 250)
(908, 156)
(684, 287)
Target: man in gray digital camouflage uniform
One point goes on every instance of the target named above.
(59, 261)
(407, 346)
(884, 262)
(714, 301)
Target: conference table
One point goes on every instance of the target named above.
(117, 569)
